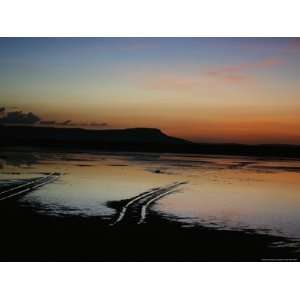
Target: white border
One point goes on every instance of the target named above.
(149, 18)
(149, 280)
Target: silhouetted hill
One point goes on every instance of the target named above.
(51, 136)
(132, 139)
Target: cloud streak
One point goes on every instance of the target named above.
(240, 72)
(231, 74)
(98, 124)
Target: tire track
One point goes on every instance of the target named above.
(134, 211)
(144, 207)
(132, 200)
(32, 186)
(26, 184)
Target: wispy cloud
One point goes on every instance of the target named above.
(234, 77)
(240, 72)
(231, 74)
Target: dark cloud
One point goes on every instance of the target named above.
(79, 124)
(98, 124)
(93, 124)
(70, 123)
(47, 122)
(64, 123)
(18, 117)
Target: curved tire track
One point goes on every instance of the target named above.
(135, 211)
(28, 187)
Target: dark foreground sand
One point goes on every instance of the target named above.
(28, 236)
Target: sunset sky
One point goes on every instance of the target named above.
(203, 89)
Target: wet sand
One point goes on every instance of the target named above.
(122, 209)
(29, 236)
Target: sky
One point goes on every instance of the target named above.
(240, 90)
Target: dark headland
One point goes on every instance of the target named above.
(132, 139)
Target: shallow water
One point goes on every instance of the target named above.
(222, 192)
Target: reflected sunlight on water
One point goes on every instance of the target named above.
(223, 192)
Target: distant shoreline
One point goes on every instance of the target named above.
(149, 140)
